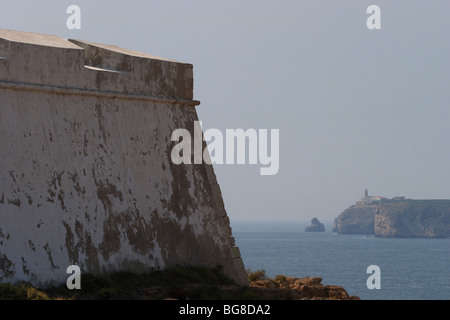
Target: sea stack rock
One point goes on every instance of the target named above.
(86, 173)
(316, 226)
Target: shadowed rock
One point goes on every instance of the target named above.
(316, 226)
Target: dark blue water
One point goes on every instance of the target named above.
(410, 268)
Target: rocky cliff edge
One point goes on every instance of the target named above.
(396, 218)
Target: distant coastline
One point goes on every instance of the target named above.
(396, 217)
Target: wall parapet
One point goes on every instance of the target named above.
(46, 62)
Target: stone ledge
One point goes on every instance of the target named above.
(94, 93)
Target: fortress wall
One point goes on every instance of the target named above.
(85, 170)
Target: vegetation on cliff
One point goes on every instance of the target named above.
(195, 283)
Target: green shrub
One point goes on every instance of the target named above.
(177, 282)
(21, 292)
(256, 275)
(280, 278)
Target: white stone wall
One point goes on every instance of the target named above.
(85, 170)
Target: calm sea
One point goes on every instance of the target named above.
(409, 268)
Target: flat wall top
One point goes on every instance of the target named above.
(40, 60)
(36, 39)
(121, 50)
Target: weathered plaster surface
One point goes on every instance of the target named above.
(85, 170)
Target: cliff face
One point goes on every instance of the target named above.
(397, 218)
(413, 218)
(356, 219)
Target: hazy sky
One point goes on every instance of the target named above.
(356, 108)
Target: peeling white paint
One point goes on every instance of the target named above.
(85, 171)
